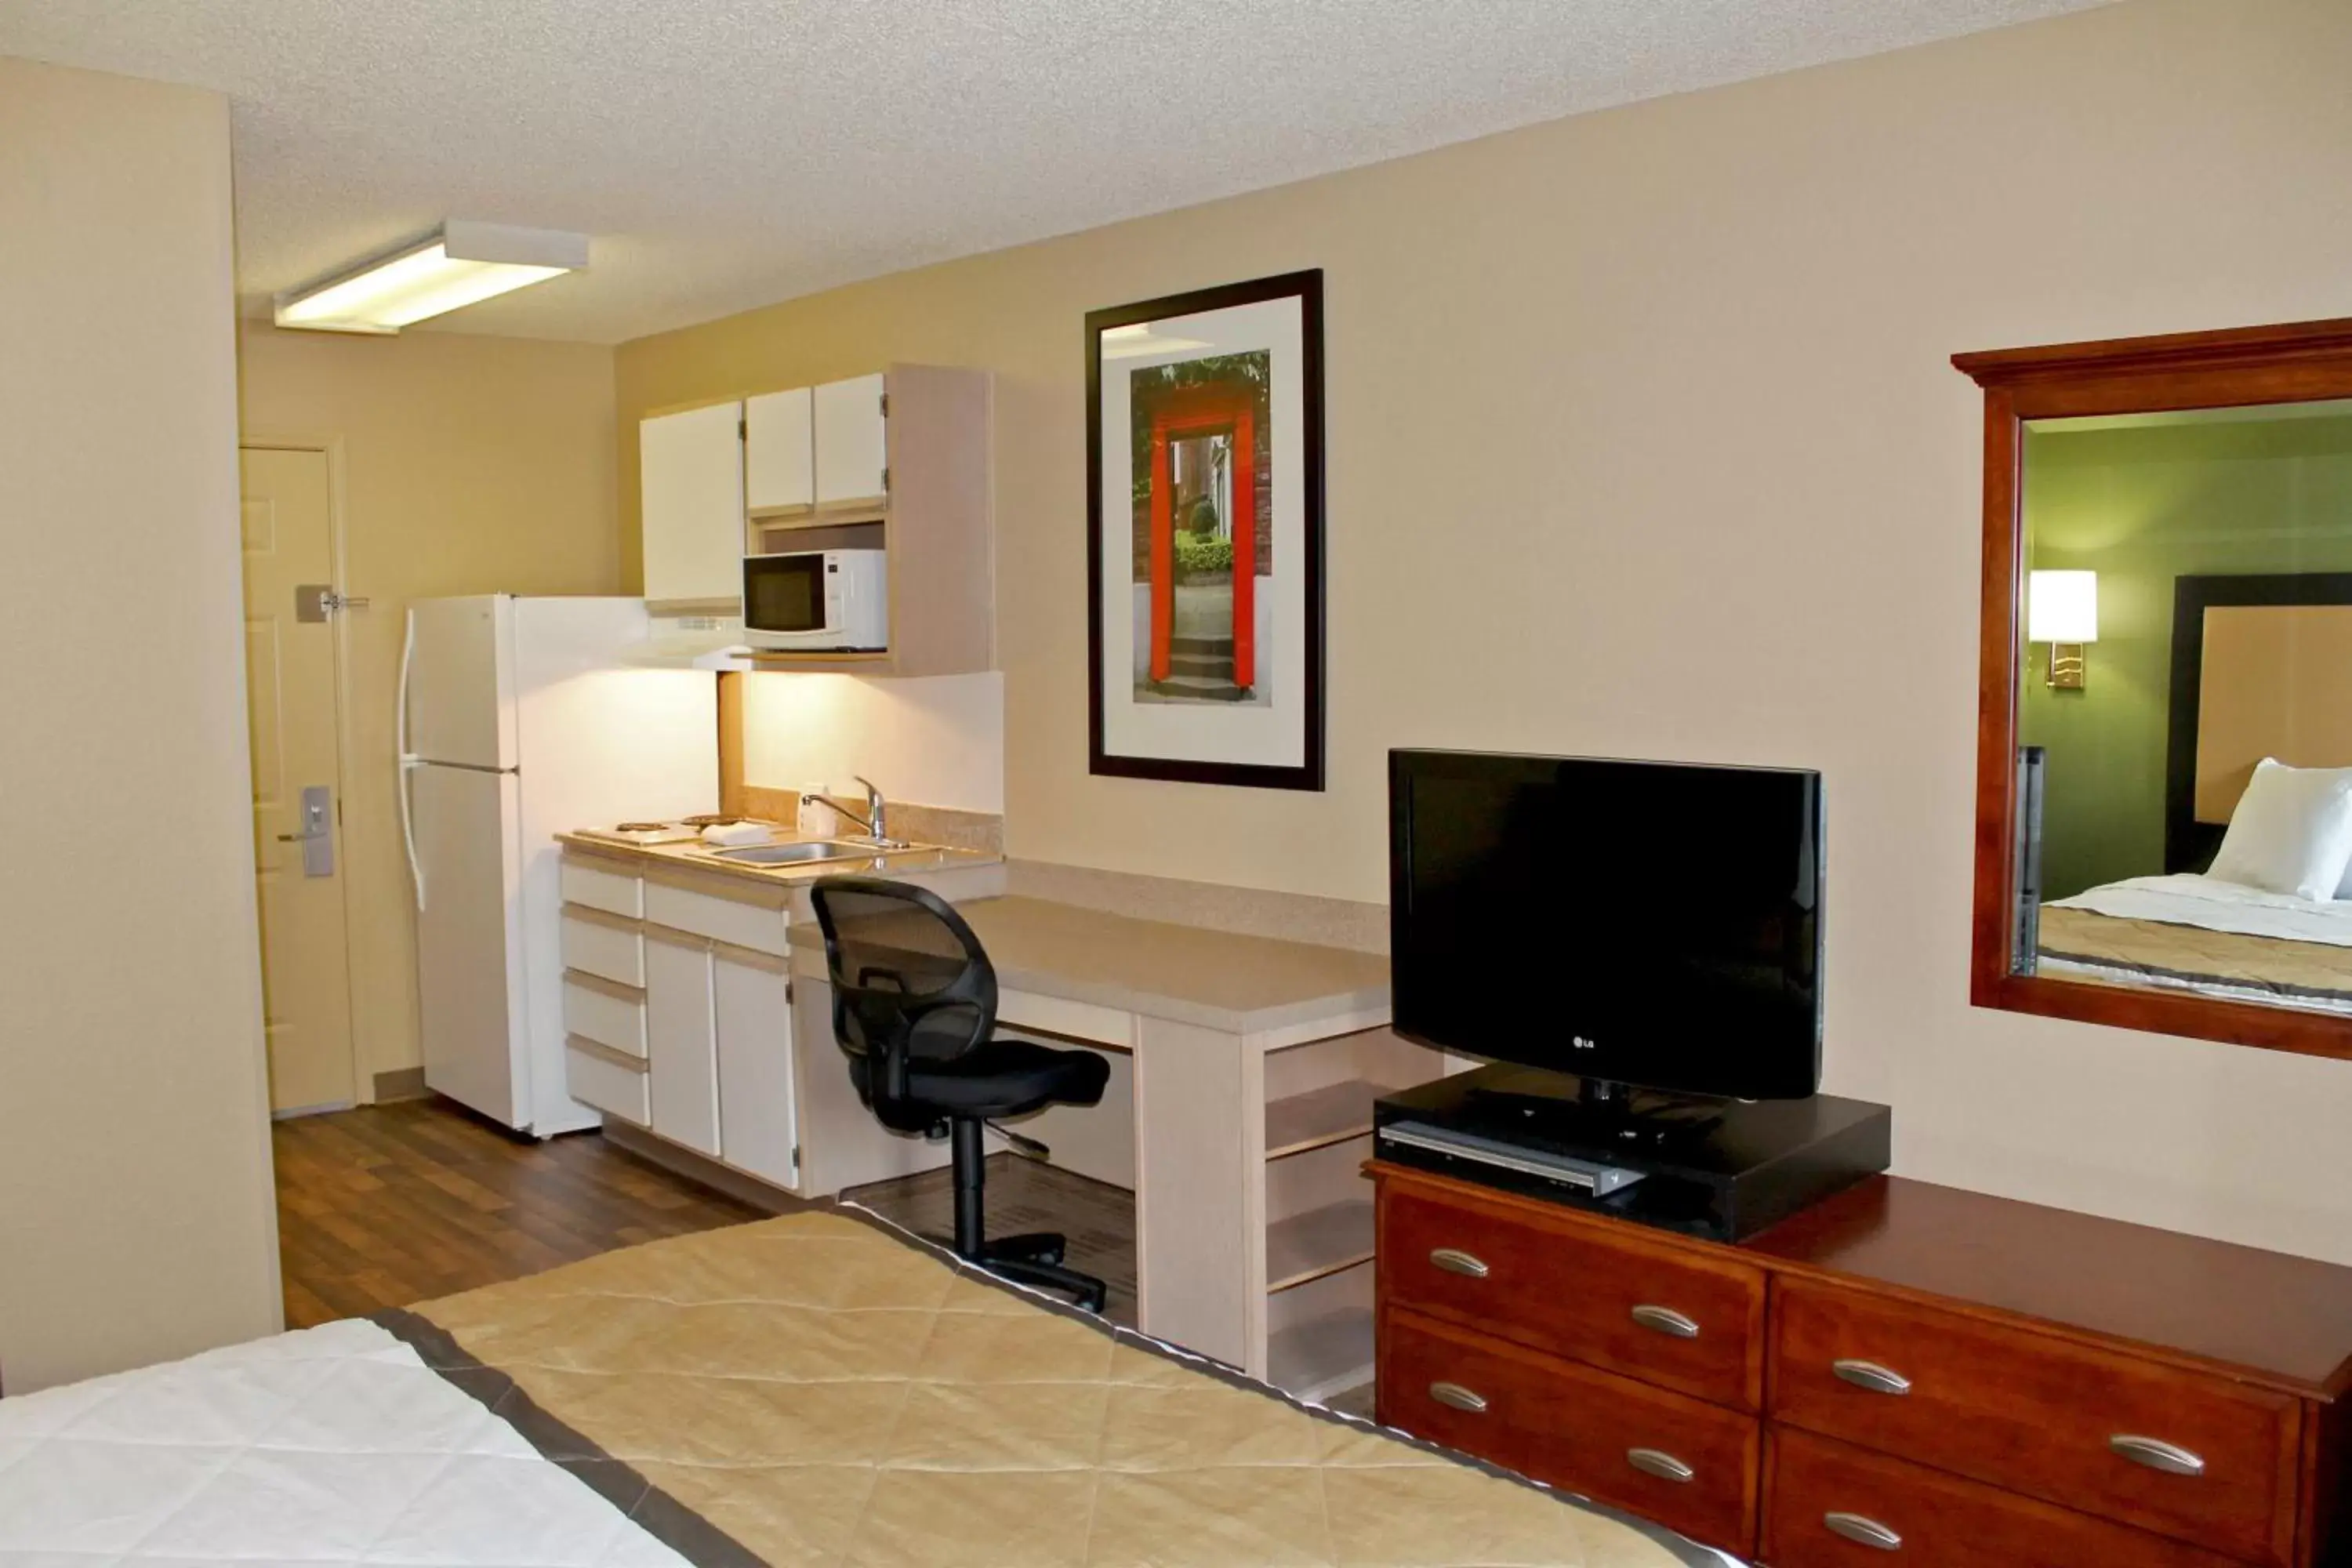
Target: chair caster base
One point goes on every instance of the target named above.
(1083, 1289)
(1031, 1247)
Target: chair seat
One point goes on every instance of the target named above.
(1001, 1077)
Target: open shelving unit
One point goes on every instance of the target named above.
(1317, 1133)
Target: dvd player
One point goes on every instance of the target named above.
(1584, 1176)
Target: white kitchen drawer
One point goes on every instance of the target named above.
(617, 1087)
(614, 892)
(599, 1011)
(599, 947)
(720, 920)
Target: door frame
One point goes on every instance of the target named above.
(346, 749)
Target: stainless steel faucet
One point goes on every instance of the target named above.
(874, 821)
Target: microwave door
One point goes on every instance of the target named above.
(785, 595)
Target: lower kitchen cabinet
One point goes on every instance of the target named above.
(759, 1128)
(681, 1040)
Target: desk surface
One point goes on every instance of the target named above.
(1218, 980)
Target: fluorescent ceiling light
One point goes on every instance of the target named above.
(459, 264)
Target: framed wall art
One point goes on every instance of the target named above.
(1205, 551)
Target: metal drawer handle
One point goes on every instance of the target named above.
(1666, 1320)
(2157, 1455)
(1453, 1260)
(1658, 1463)
(1459, 1397)
(1869, 1374)
(1862, 1530)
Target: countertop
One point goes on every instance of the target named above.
(695, 857)
(1218, 980)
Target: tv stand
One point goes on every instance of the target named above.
(1720, 1169)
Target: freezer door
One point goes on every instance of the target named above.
(458, 683)
(470, 976)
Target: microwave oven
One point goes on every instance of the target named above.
(830, 600)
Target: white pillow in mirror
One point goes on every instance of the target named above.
(2291, 833)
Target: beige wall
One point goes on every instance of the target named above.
(1643, 441)
(469, 465)
(136, 1220)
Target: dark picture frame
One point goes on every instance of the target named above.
(1224, 675)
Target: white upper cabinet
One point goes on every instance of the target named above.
(852, 446)
(779, 453)
(691, 476)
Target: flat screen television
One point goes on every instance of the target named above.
(1656, 924)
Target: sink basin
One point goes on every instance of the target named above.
(794, 854)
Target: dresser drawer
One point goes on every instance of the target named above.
(1688, 1465)
(612, 1016)
(616, 892)
(753, 926)
(607, 1081)
(605, 945)
(2081, 1426)
(1593, 1290)
(1831, 1506)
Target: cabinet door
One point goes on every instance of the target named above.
(778, 452)
(852, 447)
(690, 476)
(681, 1043)
(756, 1123)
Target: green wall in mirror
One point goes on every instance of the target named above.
(2141, 501)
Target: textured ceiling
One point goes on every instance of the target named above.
(727, 153)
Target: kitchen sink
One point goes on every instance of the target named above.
(795, 854)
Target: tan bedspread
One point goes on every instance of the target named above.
(2309, 970)
(822, 1391)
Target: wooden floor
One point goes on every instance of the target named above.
(393, 1205)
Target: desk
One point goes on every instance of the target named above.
(1256, 1062)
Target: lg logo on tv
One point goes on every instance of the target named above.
(1582, 1044)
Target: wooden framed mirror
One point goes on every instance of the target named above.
(2164, 730)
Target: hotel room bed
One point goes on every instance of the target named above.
(813, 1389)
(2197, 934)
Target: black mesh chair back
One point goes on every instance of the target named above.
(910, 983)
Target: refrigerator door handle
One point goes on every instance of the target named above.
(408, 764)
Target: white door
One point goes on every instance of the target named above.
(468, 967)
(681, 1043)
(298, 787)
(779, 460)
(752, 1000)
(458, 681)
(690, 480)
(852, 443)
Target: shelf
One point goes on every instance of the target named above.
(1329, 1115)
(804, 662)
(1322, 1356)
(1320, 1241)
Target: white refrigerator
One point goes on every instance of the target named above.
(519, 720)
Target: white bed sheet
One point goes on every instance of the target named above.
(2213, 905)
(328, 1446)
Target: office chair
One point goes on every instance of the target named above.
(914, 1007)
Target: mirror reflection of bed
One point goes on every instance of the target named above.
(2187, 746)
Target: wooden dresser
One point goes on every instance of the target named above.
(1906, 1373)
